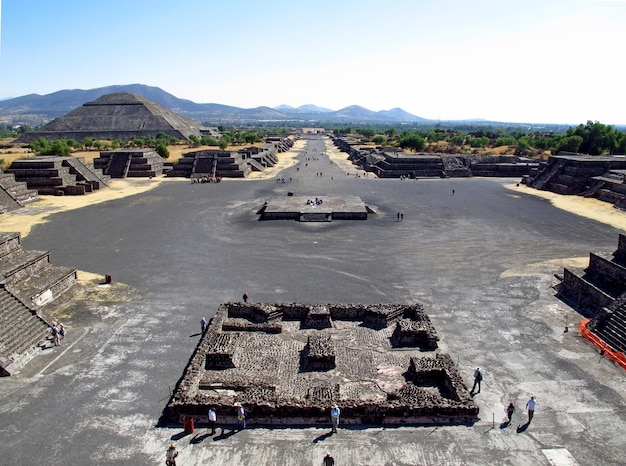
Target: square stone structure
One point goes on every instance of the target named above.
(286, 372)
(305, 209)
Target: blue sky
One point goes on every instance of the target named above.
(544, 61)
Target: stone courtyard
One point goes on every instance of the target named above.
(289, 363)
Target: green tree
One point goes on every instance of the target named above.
(597, 138)
(505, 141)
(570, 144)
(380, 140)
(162, 150)
(413, 142)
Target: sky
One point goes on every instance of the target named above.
(535, 61)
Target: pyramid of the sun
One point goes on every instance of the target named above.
(116, 116)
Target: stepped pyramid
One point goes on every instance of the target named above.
(121, 115)
(28, 282)
(600, 290)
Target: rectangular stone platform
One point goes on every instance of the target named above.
(330, 208)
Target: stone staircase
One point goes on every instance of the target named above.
(600, 291)
(611, 328)
(136, 163)
(58, 175)
(216, 163)
(22, 330)
(14, 194)
(28, 282)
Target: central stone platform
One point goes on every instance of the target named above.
(289, 363)
(314, 208)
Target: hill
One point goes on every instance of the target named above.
(35, 109)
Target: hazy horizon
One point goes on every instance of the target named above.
(530, 62)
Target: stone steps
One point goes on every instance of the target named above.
(613, 330)
(27, 283)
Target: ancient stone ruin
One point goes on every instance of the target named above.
(59, 176)
(28, 282)
(213, 163)
(130, 163)
(120, 115)
(287, 363)
(600, 291)
(391, 162)
(14, 194)
(602, 177)
(314, 208)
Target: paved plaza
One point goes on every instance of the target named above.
(481, 261)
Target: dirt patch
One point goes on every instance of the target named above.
(593, 209)
(36, 213)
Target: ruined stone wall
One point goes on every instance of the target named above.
(606, 274)
(582, 293)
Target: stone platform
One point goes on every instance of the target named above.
(305, 209)
(285, 371)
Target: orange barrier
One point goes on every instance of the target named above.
(616, 356)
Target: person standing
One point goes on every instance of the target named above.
(335, 412)
(54, 330)
(530, 406)
(245, 296)
(329, 460)
(170, 455)
(478, 377)
(203, 324)
(212, 419)
(241, 417)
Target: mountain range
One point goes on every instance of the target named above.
(35, 109)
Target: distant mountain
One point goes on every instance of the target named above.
(309, 108)
(35, 109)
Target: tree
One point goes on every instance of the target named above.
(569, 144)
(378, 140)
(413, 142)
(597, 138)
(162, 150)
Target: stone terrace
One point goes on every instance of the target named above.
(28, 282)
(287, 363)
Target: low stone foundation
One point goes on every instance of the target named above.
(378, 363)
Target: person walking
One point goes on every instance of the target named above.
(335, 412)
(510, 409)
(530, 406)
(203, 324)
(170, 455)
(478, 377)
(329, 460)
(212, 419)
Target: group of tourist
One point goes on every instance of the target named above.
(206, 179)
(316, 201)
(510, 409)
(172, 453)
(57, 330)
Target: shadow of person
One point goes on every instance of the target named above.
(521, 428)
(322, 437)
(224, 435)
(179, 435)
(199, 438)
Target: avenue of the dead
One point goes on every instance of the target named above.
(481, 261)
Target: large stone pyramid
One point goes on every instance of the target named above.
(121, 115)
